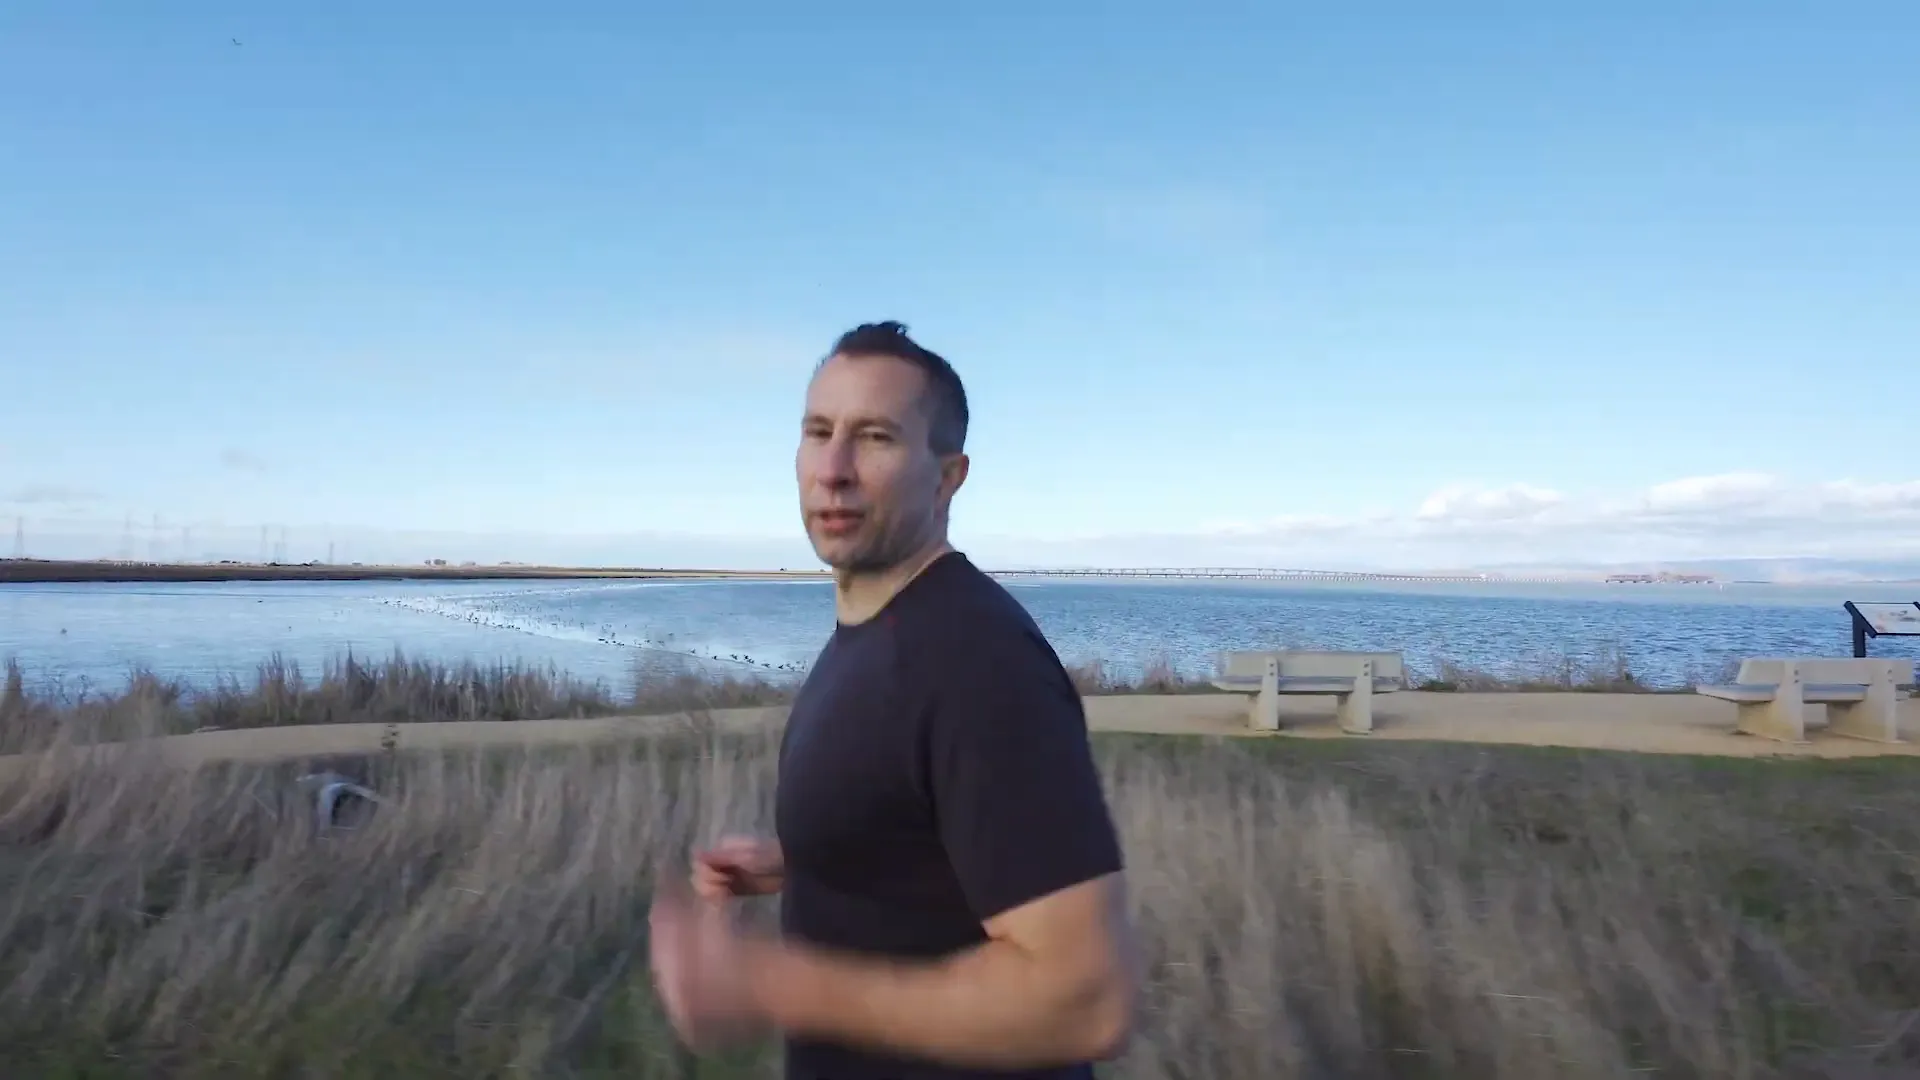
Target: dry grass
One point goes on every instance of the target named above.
(402, 690)
(1158, 676)
(398, 690)
(1608, 670)
(1309, 909)
(353, 690)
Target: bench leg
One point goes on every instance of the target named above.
(1877, 719)
(1265, 714)
(1355, 712)
(1767, 720)
(1783, 719)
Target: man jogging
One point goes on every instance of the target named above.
(952, 903)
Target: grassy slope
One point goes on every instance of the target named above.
(1361, 909)
(1368, 910)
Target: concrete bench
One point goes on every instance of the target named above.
(1352, 677)
(1860, 696)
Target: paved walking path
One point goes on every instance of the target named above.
(1652, 723)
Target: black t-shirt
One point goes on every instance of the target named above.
(935, 772)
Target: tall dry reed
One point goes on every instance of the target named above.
(1308, 910)
(400, 689)
(352, 689)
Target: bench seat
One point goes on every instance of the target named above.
(1303, 684)
(1770, 696)
(1811, 693)
(1351, 677)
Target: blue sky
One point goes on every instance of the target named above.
(1374, 286)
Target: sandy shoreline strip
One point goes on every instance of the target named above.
(1646, 723)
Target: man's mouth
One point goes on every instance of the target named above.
(838, 522)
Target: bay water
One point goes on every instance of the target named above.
(94, 635)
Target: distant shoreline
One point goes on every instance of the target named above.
(108, 571)
(61, 571)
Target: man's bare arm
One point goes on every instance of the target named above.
(1057, 983)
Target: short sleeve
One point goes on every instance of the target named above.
(1016, 794)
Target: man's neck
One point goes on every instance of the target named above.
(859, 597)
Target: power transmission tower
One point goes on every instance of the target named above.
(186, 543)
(20, 536)
(280, 549)
(263, 544)
(126, 541)
(153, 541)
(329, 553)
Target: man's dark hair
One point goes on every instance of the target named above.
(946, 398)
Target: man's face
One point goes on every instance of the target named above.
(872, 491)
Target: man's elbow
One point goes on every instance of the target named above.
(1106, 1019)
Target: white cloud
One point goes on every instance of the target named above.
(1894, 498)
(1728, 492)
(1459, 526)
(1735, 515)
(1461, 502)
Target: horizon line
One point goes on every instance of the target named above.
(34, 570)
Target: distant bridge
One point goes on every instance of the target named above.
(1261, 573)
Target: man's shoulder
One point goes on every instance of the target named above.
(964, 624)
(953, 598)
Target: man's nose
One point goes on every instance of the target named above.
(836, 462)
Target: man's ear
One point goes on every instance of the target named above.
(953, 473)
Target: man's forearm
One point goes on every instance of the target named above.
(992, 1006)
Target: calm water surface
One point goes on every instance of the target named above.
(97, 633)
